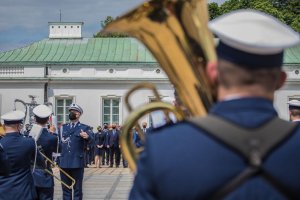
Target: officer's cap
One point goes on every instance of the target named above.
(294, 104)
(42, 111)
(13, 117)
(76, 107)
(252, 39)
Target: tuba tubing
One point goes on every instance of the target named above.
(177, 35)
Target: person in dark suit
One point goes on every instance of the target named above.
(99, 145)
(105, 155)
(18, 184)
(294, 110)
(47, 144)
(248, 72)
(4, 162)
(73, 136)
(114, 146)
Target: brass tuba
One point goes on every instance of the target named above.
(176, 33)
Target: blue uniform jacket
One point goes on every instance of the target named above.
(19, 183)
(182, 162)
(72, 145)
(4, 162)
(47, 144)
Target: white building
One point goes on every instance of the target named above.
(96, 73)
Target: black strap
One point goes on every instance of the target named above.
(254, 144)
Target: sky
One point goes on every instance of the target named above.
(23, 22)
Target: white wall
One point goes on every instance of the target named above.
(12, 91)
(89, 96)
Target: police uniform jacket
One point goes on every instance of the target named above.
(19, 183)
(183, 162)
(72, 145)
(47, 144)
(4, 162)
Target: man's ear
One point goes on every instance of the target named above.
(282, 79)
(212, 71)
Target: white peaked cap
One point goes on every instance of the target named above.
(42, 111)
(76, 107)
(13, 117)
(294, 103)
(253, 31)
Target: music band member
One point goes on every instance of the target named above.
(47, 144)
(248, 72)
(18, 184)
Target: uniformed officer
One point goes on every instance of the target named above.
(21, 152)
(294, 110)
(250, 56)
(73, 136)
(47, 144)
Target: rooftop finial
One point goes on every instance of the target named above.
(59, 15)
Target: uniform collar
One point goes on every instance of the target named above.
(248, 112)
(12, 134)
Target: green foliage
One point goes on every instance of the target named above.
(104, 23)
(214, 10)
(288, 11)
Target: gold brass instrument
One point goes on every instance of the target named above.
(2, 132)
(176, 33)
(53, 164)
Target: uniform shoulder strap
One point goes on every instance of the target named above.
(252, 143)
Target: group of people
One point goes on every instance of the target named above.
(25, 172)
(105, 148)
(241, 150)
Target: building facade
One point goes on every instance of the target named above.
(96, 73)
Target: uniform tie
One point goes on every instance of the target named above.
(73, 124)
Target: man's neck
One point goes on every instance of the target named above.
(236, 93)
(10, 130)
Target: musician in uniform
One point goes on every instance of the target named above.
(250, 56)
(294, 110)
(73, 136)
(20, 152)
(47, 144)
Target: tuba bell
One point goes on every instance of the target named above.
(176, 33)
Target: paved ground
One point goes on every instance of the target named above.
(102, 183)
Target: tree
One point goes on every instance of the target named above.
(288, 11)
(214, 10)
(104, 23)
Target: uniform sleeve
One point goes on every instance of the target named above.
(4, 162)
(143, 185)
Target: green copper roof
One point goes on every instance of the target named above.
(95, 50)
(292, 55)
(100, 50)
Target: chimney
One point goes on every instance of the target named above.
(65, 30)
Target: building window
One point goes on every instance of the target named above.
(111, 110)
(62, 112)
